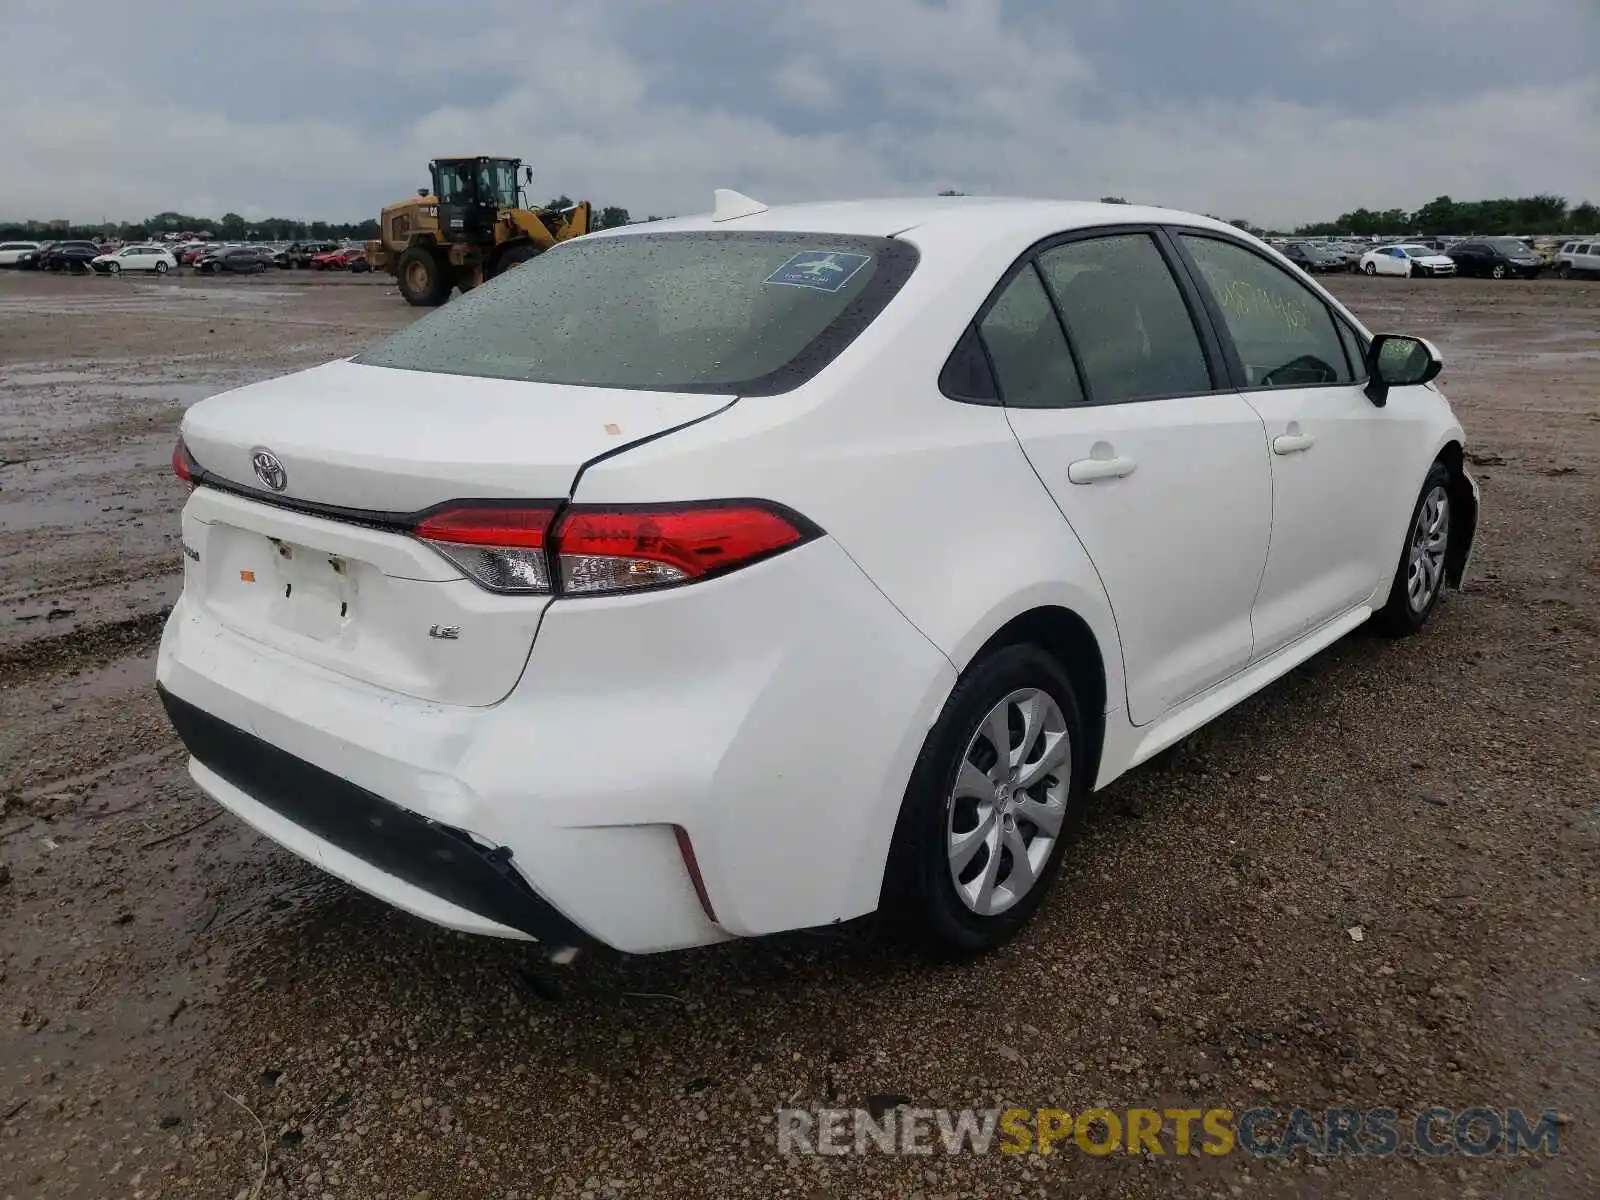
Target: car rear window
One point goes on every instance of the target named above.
(741, 313)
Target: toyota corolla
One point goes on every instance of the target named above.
(732, 574)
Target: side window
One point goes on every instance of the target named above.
(1283, 332)
(966, 375)
(1127, 319)
(1031, 362)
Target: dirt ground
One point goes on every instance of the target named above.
(186, 1011)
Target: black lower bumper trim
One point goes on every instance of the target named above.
(437, 858)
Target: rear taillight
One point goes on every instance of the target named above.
(598, 550)
(499, 547)
(183, 465)
(614, 549)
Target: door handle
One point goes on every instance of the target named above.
(1292, 443)
(1088, 470)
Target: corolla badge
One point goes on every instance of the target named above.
(268, 469)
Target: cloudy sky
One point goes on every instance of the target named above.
(1267, 109)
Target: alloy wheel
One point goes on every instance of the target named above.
(1429, 538)
(1004, 814)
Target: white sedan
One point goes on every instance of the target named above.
(11, 252)
(1406, 259)
(136, 258)
(758, 570)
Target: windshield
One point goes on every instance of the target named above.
(1511, 246)
(483, 181)
(1417, 251)
(497, 184)
(722, 312)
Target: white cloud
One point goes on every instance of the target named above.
(961, 99)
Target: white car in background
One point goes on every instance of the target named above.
(732, 574)
(1575, 259)
(136, 258)
(10, 252)
(1406, 259)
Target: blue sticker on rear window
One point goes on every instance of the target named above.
(820, 270)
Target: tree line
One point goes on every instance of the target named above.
(1541, 214)
(231, 227)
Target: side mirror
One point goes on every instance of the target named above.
(1397, 360)
(527, 174)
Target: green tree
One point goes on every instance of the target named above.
(1112, 200)
(233, 226)
(612, 217)
(951, 192)
(1584, 218)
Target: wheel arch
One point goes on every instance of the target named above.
(1070, 640)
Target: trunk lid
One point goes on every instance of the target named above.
(323, 571)
(378, 439)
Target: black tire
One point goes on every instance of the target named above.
(1564, 271)
(1402, 615)
(1498, 271)
(920, 901)
(1370, 269)
(422, 278)
(161, 268)
(512, 256)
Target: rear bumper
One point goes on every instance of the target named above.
(253, 777)
(772, 715)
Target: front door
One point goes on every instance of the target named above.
(1161, 473)
(1337, 462)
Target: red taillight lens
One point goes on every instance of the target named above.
(615, 549)
(183, 465)
(597, 550)
(498, 546)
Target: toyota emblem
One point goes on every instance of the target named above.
(268, 469)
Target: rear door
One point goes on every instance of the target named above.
(1158, 465)
(1338, 461)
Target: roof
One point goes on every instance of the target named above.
(991, 216)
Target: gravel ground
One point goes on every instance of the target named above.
(186, 1011)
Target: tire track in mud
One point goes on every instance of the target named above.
(85, 646)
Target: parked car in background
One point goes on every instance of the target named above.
(32, 260)
(1338, 253)
(136, 258)
(10, 252)
(1407, 258)
(336, 259)
(191, 256)
(69, 256)
(300, 254)
(1310, 257)
(359, 264)
(1578, 259)
(392, 659)
(1497, 258)
(239, 260)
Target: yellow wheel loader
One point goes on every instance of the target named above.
(473, 225)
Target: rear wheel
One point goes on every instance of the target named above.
(979, 837)
(512, 256)
(161, 268)
(422, 278)
(1564, 271)
(1419, 577)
